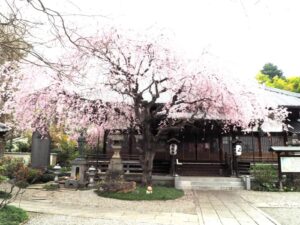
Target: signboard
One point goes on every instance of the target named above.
(290, 164)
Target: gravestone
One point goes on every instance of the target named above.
(40, 151)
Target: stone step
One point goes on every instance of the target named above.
(210, 188)
(209, 183)
(208, 179)
(231, 184)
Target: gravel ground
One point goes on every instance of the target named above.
(184, 204)
(282, 206)
(45, 219)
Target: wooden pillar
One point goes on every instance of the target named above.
(221, 151)
(130, 141)
(259, 146)
(105, 136)
(285, 138)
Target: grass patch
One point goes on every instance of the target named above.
(10, 215)
(159, 193)
(51, 187)
(5, 195)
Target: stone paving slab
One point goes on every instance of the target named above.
(227, 207)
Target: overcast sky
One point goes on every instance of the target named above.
(242, 35)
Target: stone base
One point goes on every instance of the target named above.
(120, 187)
(71, 184)
(115, 164)
(78, 172)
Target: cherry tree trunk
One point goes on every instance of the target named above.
(147, 167)
(148, 152)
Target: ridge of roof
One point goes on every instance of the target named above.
(280, 91)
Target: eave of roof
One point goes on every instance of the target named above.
(294, 127)
(4, 128)
(284, 149)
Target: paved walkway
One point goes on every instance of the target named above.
(196, 207)
(226, 207)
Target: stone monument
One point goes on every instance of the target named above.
(40, 151)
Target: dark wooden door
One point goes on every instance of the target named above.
(189, 151)
(203, 152)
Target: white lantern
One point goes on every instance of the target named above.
(173, 149)
(238, 150)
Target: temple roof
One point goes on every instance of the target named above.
(281, 97)
(4, 128)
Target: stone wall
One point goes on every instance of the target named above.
(26, 156)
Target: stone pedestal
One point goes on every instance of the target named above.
(115, 167)
(78, 172)
(115, 163)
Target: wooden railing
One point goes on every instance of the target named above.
(264, 157)
(131, 163)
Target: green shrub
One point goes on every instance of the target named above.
(10, 215)
(46, 177)
(16, 173)
(13, 168)
(22, 146)
(265, 177)
(34, 176)
(5, 195)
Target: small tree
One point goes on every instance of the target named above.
(271, 70)
(15, 174)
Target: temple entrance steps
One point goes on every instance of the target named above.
(244, 168)
(209, 183)
(201, 169)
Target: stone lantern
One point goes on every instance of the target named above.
(79, 165)
(114, 177)
(115, 165)
(57, 170)
(92, 173)
(116, 146)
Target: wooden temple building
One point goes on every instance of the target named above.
(204, 149)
